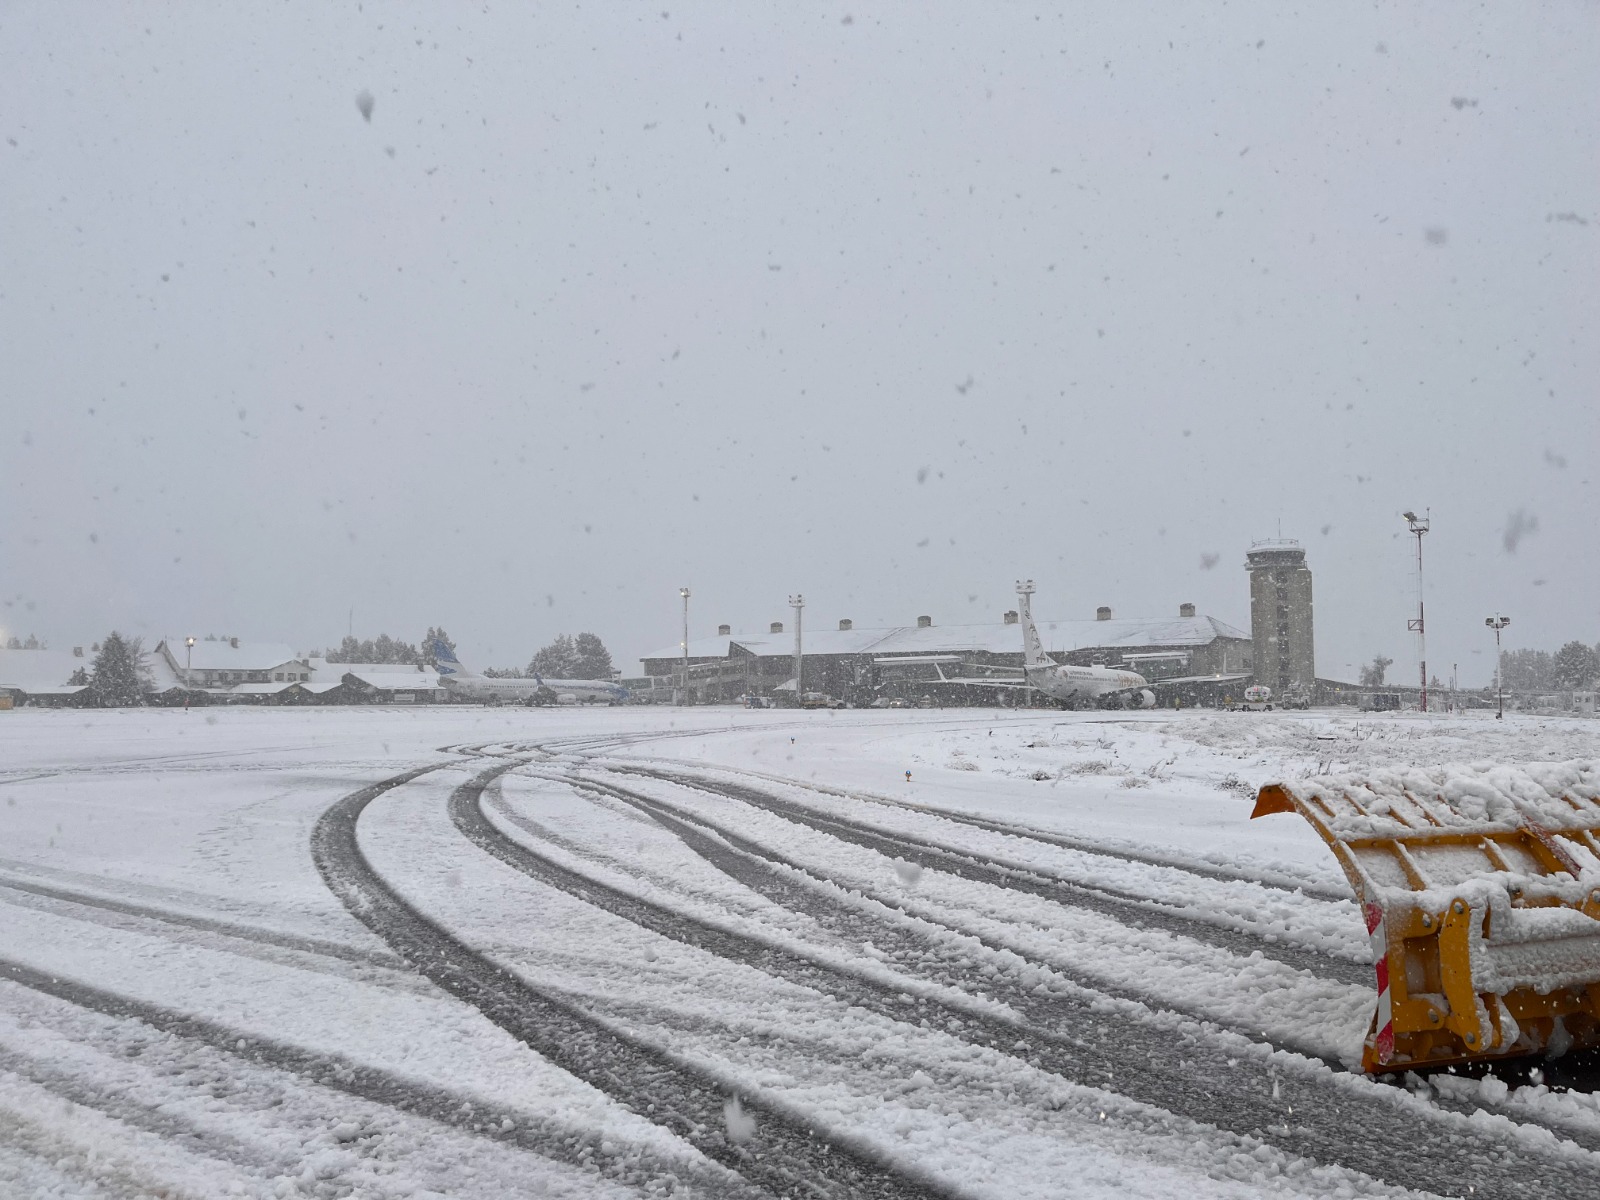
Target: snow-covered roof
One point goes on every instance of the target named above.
(322, 664)
(39, 671)
(409, 680)
(162, 678)
(1124, 633)
(225, 656)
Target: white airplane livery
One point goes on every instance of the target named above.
(468, 684)
(1068, 684)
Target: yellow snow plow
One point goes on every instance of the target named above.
(1481, 892)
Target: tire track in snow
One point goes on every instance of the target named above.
(131, 1111)
(1123, 908)
(1275, 881)
(466, 1112)
(1165, 1068)
(905, 942)
(1356, 1122)
(781, 1155)
(231, 929)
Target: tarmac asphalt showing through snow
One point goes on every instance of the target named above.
(1172, 1063)
(469, 1113)
(1295, 1103)
(782, 1153)
(1126, 909)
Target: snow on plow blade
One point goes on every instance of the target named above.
(1481, 892)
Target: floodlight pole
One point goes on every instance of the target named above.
(1419, 526)
(798, 603)
(683, 676)
(188, 663)
(1497, 623)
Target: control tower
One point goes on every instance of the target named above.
(1280, 615)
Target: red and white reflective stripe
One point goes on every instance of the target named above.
(1383, 1039)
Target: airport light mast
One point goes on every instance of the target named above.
(798, 603)
(683, 677)
(1419, 526)
(1497, 623)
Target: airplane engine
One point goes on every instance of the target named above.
(566, 698)
(1144, 698)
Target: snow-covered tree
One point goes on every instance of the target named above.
(1527, 671)
(117, 678)
(382, 649)
(593, 659)
(428, 639)
(79, 678)
(1574, 666)
(1372, 674)
(558, 660)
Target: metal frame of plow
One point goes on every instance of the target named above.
(1481, 892)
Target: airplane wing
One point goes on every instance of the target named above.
(1017, 684)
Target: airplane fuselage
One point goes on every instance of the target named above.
(1068, 683)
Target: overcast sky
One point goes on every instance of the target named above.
(888, 306)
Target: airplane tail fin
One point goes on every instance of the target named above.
(1033, 654)
(445, 660)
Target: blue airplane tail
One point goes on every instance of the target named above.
(445, 658)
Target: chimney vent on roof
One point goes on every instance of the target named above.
(777, 627)
(1011, 617)
(1103, 613)
(924, 622)
(234, 642)
(846, 623)
(77, 652)
(724, 630)
(1186, 610)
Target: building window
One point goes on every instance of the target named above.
(277, 677)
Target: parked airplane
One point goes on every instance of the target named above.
(467, 683)
(1069, 684)
(1066, 684)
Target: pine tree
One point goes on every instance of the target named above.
(79, 678)
(1527, 671)
(1574, 666)
(118, 674)
(435, 635)
(593, 659)
(558, 660)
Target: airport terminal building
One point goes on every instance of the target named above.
(1190, 655)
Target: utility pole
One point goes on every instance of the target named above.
(188, 663)
(1497, 623)
(798, 603)
(1419, 526)
(683, 674)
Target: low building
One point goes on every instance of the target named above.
(222, 664)
(42, 677)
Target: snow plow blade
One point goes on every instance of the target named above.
(1481, 892)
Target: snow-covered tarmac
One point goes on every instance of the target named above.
(489, 952)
